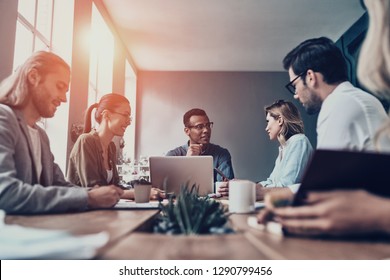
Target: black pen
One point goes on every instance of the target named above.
(222, 175)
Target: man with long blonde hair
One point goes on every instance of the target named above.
(30, 181)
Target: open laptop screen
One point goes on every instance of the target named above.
(329, 170)
(175, 171)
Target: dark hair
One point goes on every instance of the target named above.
(292, 122)
(109, 101)
(320, 55)
(190, 113)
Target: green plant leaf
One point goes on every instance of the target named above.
(192, 214)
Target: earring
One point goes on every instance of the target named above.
(121, 143)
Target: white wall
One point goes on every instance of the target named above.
(8, 16)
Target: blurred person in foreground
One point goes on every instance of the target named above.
(357, 212)
(30, 180)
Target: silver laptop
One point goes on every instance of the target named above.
(174, 171)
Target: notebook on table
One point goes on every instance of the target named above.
(174, 171)
(129, 204)
(346, 170)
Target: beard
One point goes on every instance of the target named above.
(41, 98)
(313, 106)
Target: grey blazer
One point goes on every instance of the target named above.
(20, 189)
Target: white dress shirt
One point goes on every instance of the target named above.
(36, 150)
(349, 119)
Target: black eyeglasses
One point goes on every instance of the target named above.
(290, 86)
(127, 116)
(202, 126)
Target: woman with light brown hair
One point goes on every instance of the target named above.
(284, 124)
(92, 160)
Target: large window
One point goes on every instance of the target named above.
(34, 28)
(101, 58)
(101, 75)
(130, 93)
(47, 25)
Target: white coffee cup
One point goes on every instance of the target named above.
(142, 193)
(242, 196)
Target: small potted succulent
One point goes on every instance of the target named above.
(192, 214)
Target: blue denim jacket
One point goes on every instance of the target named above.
(291, 162)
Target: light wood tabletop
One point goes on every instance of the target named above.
(131, 238)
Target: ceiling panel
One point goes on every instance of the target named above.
(224, 35)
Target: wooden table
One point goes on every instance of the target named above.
(129, 239)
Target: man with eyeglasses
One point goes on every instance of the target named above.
(348, 116)
(197, 127)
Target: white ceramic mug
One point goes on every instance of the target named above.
(142, 193)
(242, 196)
